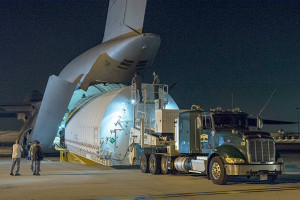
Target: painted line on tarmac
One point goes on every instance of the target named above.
(292, 173)
(274, 189)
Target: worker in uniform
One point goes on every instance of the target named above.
(155, 85)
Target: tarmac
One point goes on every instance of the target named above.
(66, 180)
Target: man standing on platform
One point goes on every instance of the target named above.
(156, 86)
(136, 82)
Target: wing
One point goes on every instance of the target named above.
(8, 137)
(22, 110)
(124, 17)
(18, 111)
(26, 112)
(253, 122)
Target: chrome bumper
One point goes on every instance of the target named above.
(254, 169)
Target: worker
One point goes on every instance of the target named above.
(155, 85)
(16, 158)
(37, 157)
(136, 82)
(31, 154)
(28, 148)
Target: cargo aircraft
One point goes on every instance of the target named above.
(124, 50)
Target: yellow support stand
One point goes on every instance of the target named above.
(67, 156)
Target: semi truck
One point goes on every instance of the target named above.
(218, 143)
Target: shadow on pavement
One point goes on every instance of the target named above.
(126, 167)
(285, 178)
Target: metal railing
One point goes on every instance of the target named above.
(145, 108)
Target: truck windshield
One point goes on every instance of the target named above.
(232, 121)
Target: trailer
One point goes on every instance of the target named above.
(217, 143)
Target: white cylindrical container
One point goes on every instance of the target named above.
(99, 130)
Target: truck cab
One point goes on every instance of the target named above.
(230, 148)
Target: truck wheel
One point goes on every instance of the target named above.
(272, 178)
(164, 165)
(217, 171)
(154, 164)
(208, 177)
(145, 163)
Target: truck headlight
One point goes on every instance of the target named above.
(234, 160)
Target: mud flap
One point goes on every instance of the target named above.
(263, 177)
(56, 99)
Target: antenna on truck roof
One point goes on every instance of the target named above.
(267, 102)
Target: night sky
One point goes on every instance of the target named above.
(213, 49)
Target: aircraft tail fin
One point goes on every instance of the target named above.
(124, 17)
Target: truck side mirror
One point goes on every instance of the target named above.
(259, 123)
(199, 122)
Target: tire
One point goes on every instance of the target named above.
(145, 163)
(207, 171)
(208, 177)
(217, 171)
(272, 178)
(154, 164)
(164, 165)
